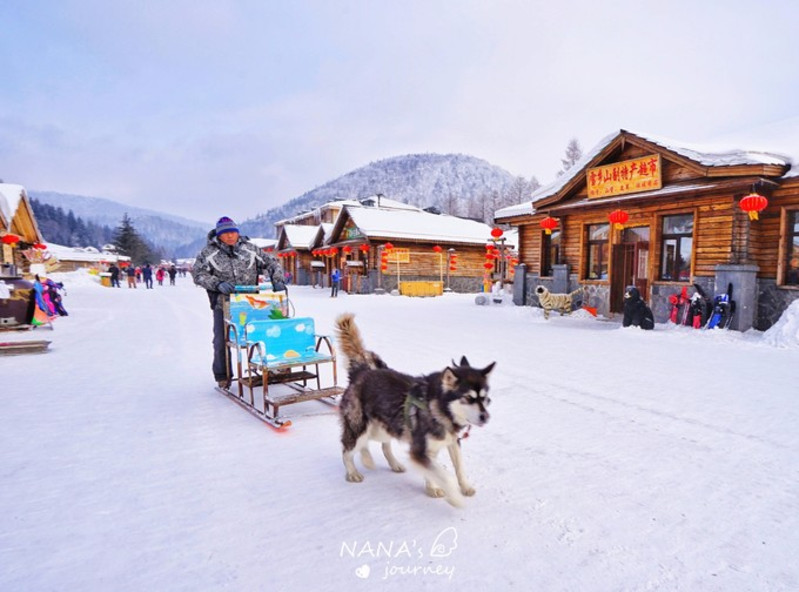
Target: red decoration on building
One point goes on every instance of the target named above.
(752, 204)
(364, 248)
(549, 224)
(10, 239)
(618, 218)
(347, 249)
(388, 246)
(496, 232)
(40, 246)
(437, 249)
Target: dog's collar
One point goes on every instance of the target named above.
(466, 429)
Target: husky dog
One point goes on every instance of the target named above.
(430, 412)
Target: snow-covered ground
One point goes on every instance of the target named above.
(615, 459)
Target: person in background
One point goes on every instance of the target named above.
(130, 271)
(159, 276)
(114, 271)
(227, 260)
(335, 281)
(172, 273)
(147, 274)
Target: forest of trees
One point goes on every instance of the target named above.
(69, 230)
(65, 228)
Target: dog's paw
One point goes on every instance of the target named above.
(397, 468)
(354, 477)
(468, 490)
(434, 491)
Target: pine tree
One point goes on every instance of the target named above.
(128, 242)
(573, 154)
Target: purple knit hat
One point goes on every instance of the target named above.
(225, 224)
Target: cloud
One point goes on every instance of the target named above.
(184, 106)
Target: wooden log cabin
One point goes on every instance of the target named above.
(18, 230)
(356, 245)
(680, 224)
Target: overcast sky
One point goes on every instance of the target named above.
(205, 107)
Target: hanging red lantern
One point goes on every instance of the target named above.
(752, 204)
(347, 249)
(437, 249)
(388, 246)
(10, 239)
(549, 224)
(618, 218)
(488, 265)
(364, 248)
(496, 232)
(40, 246)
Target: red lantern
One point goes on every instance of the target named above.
(384, 267)
(10, 239)
(437, 249)
(40, 246)
(488, 265)
(496, 232)
(347, 249)
(364, 248)
(549, 224)
(453, 268)
(388, 246)
(752, 204)
(619, 218)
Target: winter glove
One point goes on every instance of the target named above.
(225, 288)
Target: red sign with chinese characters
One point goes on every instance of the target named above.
(629, 176)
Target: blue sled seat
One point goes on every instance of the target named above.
(282, 343)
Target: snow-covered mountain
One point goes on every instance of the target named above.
(454, 183)
(162, 230)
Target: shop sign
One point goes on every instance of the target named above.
(629, 176)
(396, 255)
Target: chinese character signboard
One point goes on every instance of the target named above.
(629, 176)
(399, 255)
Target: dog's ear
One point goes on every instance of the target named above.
(449, 380)
(464, 361)
(485, 371)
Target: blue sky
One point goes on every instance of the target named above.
(202, 108)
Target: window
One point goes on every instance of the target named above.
(598, 248)
(550, 252)
(677, 239)
(792, 263)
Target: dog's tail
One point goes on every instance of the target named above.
(351, 344)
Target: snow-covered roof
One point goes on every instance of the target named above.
(418, 225)
(300, 236)
(87, 254)
(264, 243)
(714, 156)
(367, 202)
(10, 197)
(710, 156)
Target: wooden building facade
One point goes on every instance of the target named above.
(641, 211)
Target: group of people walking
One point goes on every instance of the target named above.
(135, 275)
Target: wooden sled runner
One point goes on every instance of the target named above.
(283, 359)
(11, 348)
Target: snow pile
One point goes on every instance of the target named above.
(785, 332)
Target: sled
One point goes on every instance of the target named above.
(277, 357)
(11, 348)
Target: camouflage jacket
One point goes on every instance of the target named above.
(240, 265)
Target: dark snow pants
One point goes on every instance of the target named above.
(221, 366)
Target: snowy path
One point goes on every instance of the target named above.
(615, 459)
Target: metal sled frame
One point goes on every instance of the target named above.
(255, 364)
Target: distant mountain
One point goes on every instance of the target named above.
(454, 183)
(161, 230)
